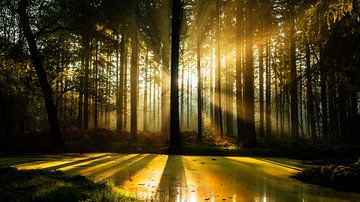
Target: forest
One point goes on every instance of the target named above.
(272, 78)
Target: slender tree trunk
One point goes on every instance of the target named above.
(150, 100)
(86, 82)
(293, 85)
(165, 93)
(211, 88)
(146, 80)
(37, 61)
(96, 96)
(229, 95)
(261, 89)
(118, 85)
(239, 71)
(182, 96)
(122, 87)
(268, 91)
(310, 98)
(323, 86)
(218, 112)
(134, 77)
(198, 54)
(249, 104)
(81, 92)
(125, 89)
(188, 100)
(333, 114)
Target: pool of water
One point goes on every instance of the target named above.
(152, 177)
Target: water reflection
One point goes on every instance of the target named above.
(151, 177)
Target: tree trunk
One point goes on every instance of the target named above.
(199, 135)
(41, 74)
(165, 93)
(134, 77)
(323, 86)
(249, 105)
(86, 82)
(145, 91)
(268, 91)
(310, 98)
(96, 96)
(261, 89)
(81, 92)
(239, 72)
(122, 86)
(218, 112)
(175, 139)
(293, 79)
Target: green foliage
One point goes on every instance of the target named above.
(43, 185)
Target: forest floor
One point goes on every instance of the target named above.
(102, 140)
(162, 177)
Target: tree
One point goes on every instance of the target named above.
(175, 138)
(37, 61)
(249, 105)
(293, 77)
(134, 74)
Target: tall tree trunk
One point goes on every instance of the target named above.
(96, 96)
(323, 98)
(146, 80)
(229, 95)
(293, 79)
(122, 87)
(118, 85)
(182, 96)
(81, 92)
(37, 61)
(125, 89)
(189, 100)
(333, 114)
(165, 92)
(261, 89)
(211, 88)
(268, 90)
(175, 139)
(239, 71)
(310, 98)
(86, 81)
(218, 112)
(199, 92)
(249, 104)
(134, 76)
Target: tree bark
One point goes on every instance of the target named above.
(134, 76)
(249, 104)
(198, 52)
(310, 98)
(175, 138)
(218, 112)
(293, 79)
(239, 71)
(261, 89)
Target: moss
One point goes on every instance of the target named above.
(43, 185)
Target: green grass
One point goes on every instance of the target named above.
(43, 185)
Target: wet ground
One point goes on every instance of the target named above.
(153, 177)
